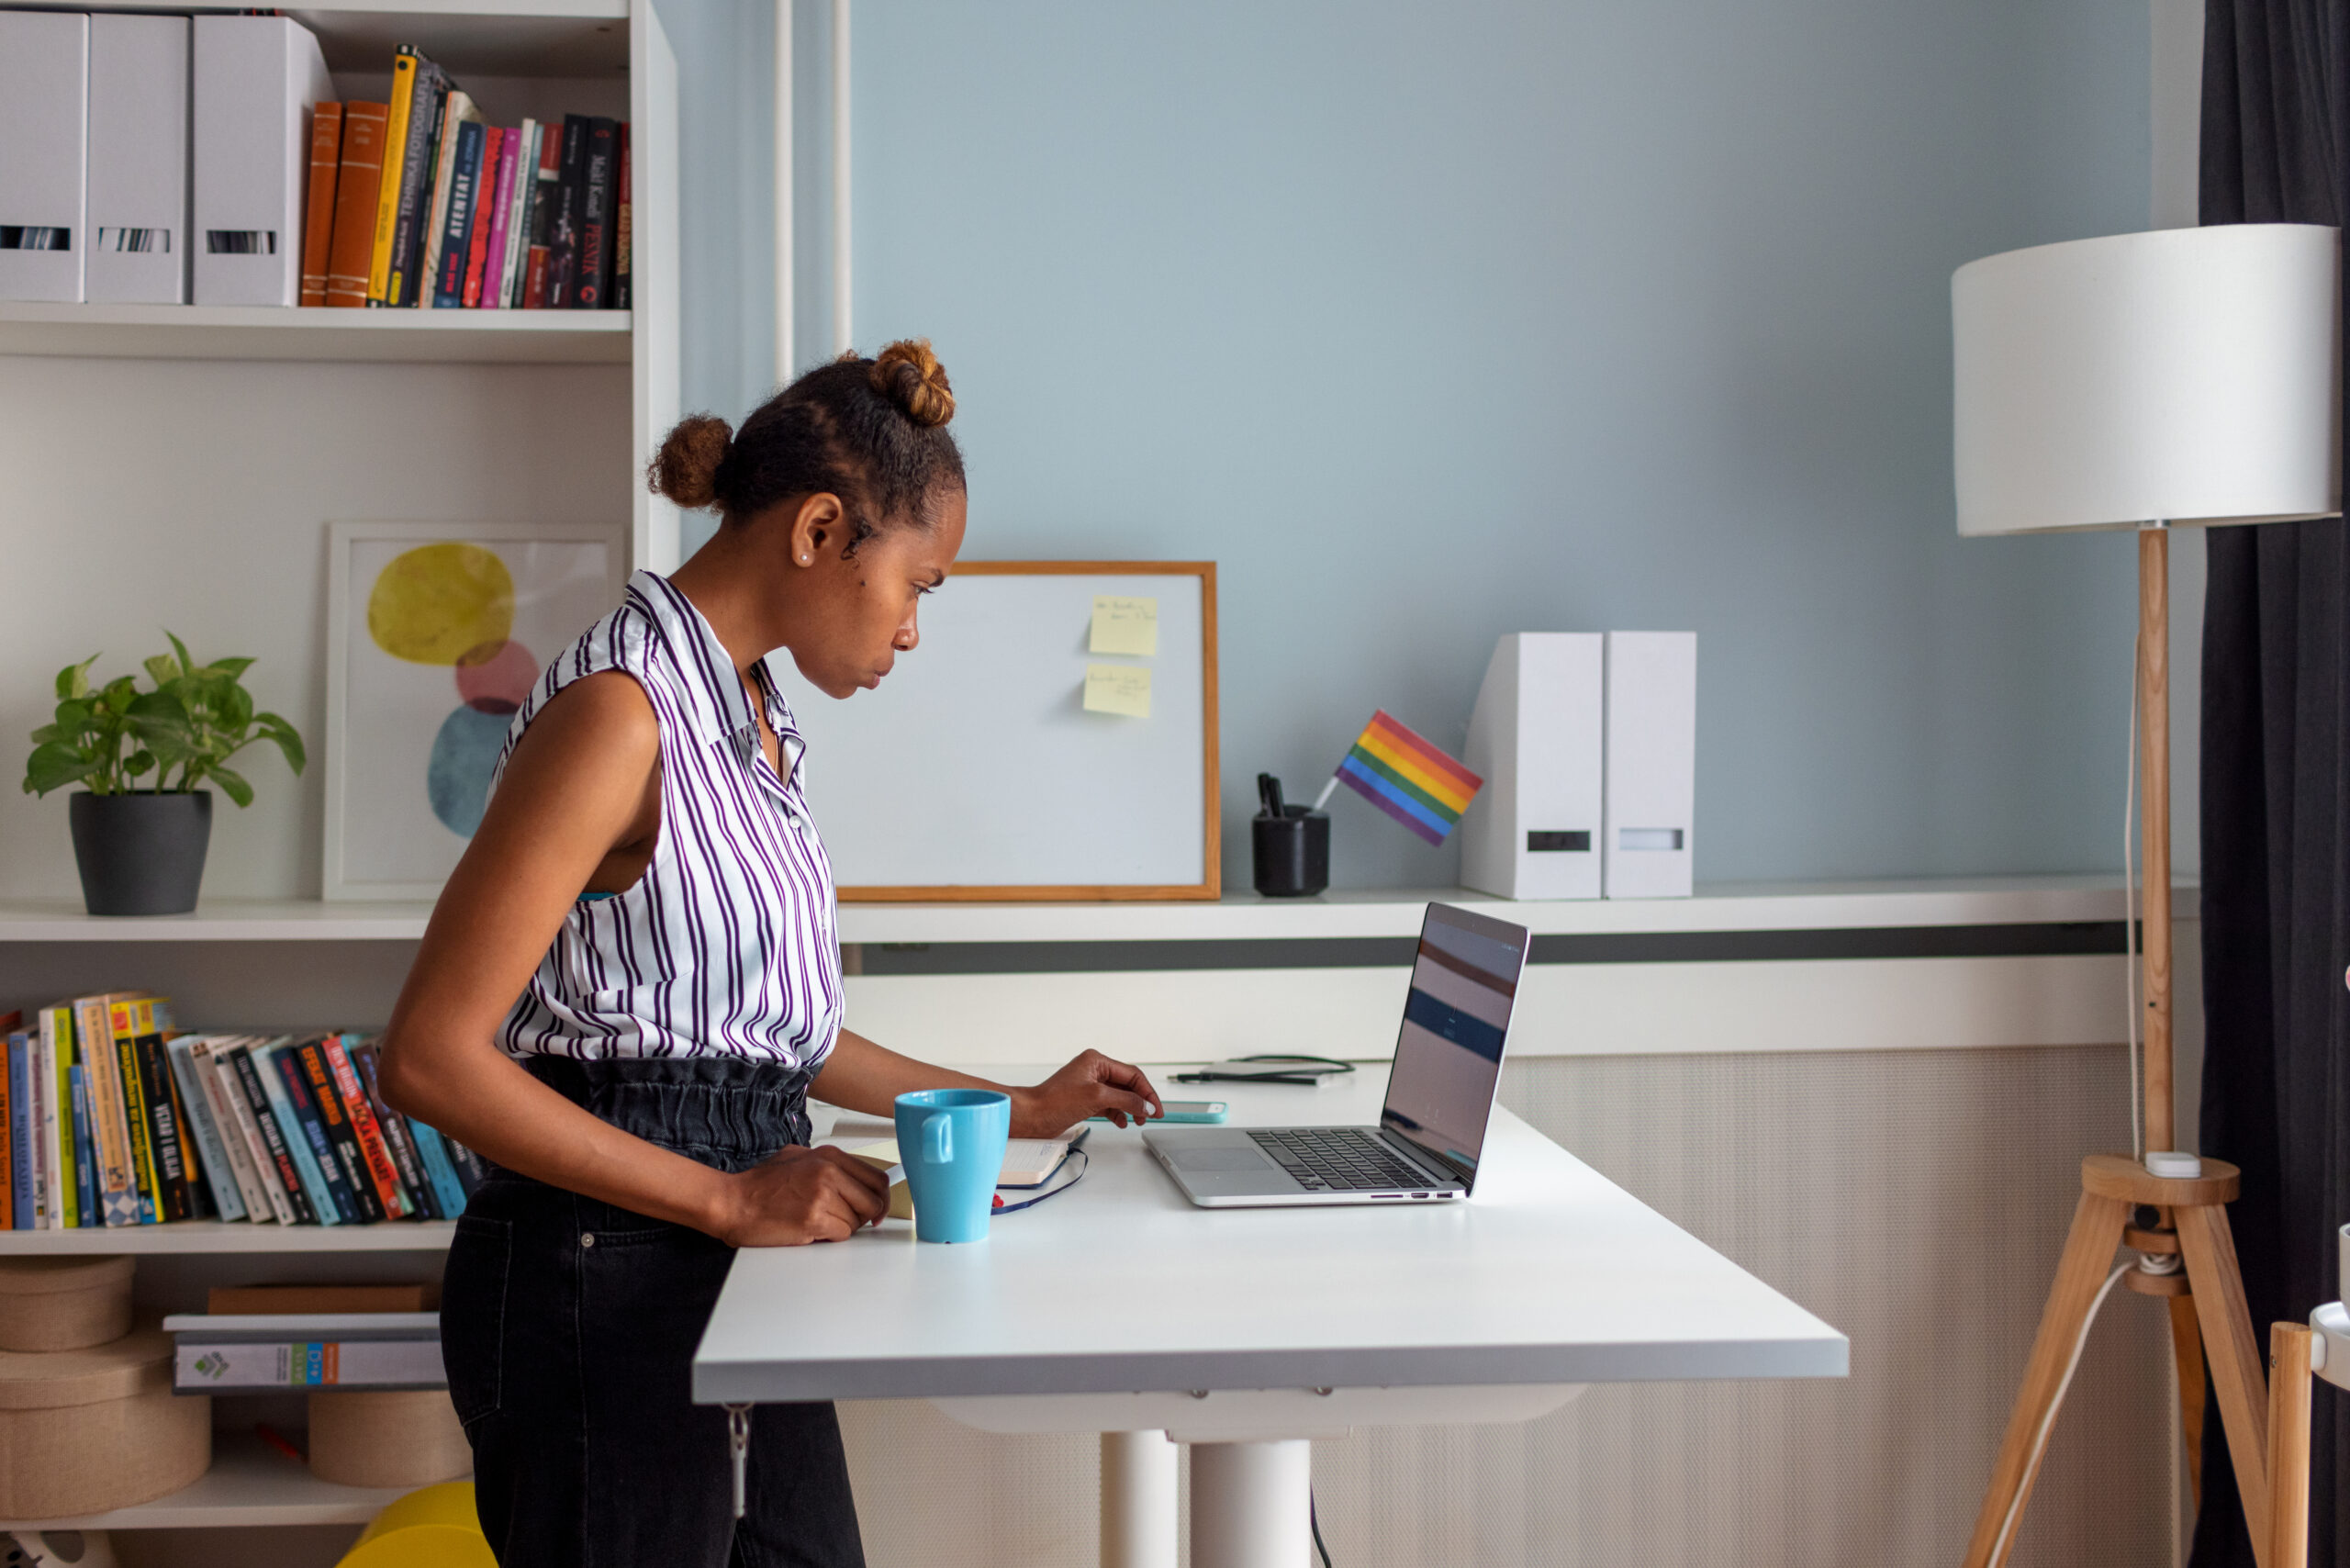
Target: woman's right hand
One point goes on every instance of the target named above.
(803, 1195)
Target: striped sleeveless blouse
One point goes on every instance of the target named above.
(727, 946)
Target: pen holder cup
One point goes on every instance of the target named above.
(1292, 853)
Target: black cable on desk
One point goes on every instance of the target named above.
(1315, 1519)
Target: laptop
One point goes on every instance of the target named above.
(1440, 1094)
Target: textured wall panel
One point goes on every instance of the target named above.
(1915, 1199)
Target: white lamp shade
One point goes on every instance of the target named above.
(2186, 376)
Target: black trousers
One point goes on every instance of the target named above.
(568, 1328)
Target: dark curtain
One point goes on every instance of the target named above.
(2275, 778)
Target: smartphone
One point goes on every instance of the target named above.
(1187, 1110)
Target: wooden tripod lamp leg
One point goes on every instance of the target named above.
(2289, 1446)
(2088, 1255)
(2187, 1350)
(2237, 1377)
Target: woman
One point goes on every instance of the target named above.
(647, 880)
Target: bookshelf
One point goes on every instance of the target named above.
(189, 461)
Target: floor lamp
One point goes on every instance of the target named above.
(2186, 376)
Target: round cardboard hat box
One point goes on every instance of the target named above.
(407, 1437)
(82, 1431)
(63, 1303)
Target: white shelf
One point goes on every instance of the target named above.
(1764, 906)
(214, 1235)
(264, 332)
(249, 1483)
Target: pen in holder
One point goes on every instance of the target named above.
(1291, 843)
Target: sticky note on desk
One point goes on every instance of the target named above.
(1118, 688)
(1125, 626)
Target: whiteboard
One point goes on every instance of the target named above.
(975, 771)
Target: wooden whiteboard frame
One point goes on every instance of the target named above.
(1210, 883)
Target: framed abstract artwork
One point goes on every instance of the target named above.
(436, 632)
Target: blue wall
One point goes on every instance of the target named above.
(1429, 323)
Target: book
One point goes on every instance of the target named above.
(599, 183)
(414, 156)
(38, 1089)
(285, 1059)
(202, 1364)
(456, 234)
(398, 1139)
(272, 1132)
(350, 247)
(56, 1025)
(277, 1301)
(471, 1171)
(487, 193)
(249, 1152)
(518, 204)
(502, 219)
(116, 1181)
(318, 204)
(374, 1151)
(204, 1128)
(175, 1151)
(449, 1195)
(388, 189)
(123, 1021)
(85, 1171)
(563, 239)
(539, 219)
(625, 225)
(19, 1122)
(455, 111)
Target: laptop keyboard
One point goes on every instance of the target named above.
(1340, 1159)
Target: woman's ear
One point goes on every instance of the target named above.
(818, 520)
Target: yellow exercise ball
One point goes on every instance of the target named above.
(433, 1527)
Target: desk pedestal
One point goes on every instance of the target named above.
(1252, 1456)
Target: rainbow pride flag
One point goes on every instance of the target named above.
(1408, 779)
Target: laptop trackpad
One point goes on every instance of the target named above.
(1212, 1160)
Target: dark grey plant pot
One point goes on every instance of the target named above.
(140, 853)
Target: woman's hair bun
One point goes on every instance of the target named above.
(686, 468)
(909, 375)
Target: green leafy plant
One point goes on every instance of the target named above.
(182, 733)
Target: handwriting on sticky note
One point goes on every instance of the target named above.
(1125, 626)
(1118, 688)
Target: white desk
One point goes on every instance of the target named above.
(1117, 1307)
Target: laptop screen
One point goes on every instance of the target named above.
(1449, 1055)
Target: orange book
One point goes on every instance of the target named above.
(352, 251)
(318, 215)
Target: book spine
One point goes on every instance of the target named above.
(486, 192)
(563, 249)
(134, 1107)
(86, 1166)
(225, 1101)
(252, 1079)
(518, 210)
(20, 1173)
(351, 248)
(457, 109)
(297, 1064)
(598, 182)
(304, 1134)
(64, 1163)
(456, 235)
(545, 187)
(36, 1097)
(317, 208)
(448, 1193)
(109, 1124)
(202, 1365)
(174, 1150)
(416, 179)
(387, 189)
(414, 1183)
(211, 1148)
(471, 1171)
(624, 226)
(501, 218)
(373, 1153)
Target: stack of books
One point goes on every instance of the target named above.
(419, 203)
(110, 1117)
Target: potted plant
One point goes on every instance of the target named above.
(140, 845)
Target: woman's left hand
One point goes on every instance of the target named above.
(1092, 1086)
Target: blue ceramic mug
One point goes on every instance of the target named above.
(951, 1143)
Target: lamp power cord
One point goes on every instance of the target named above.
(2048, 1422)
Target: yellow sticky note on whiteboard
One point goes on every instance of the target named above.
(1118, 688)
(1125, 626)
